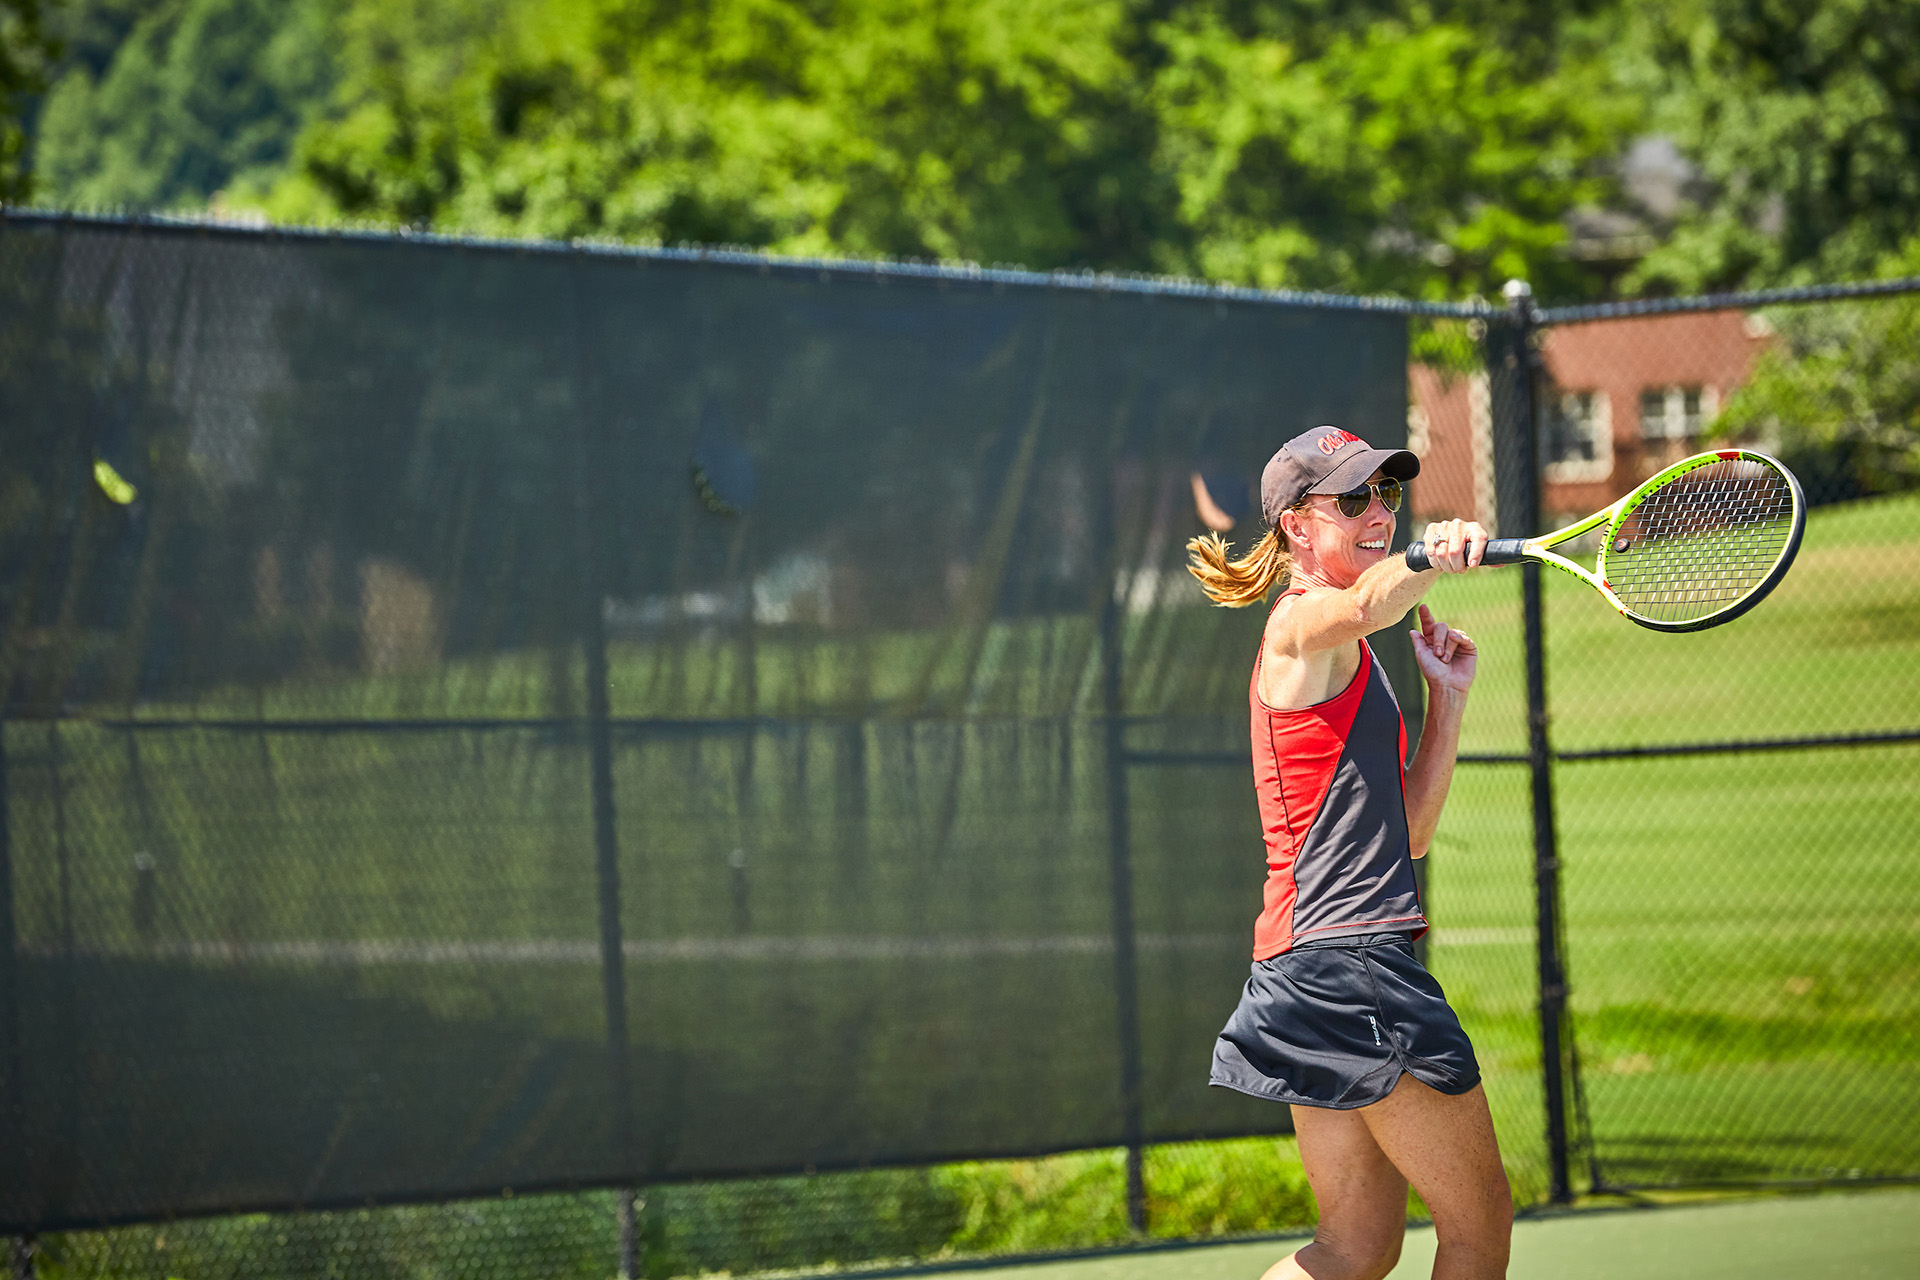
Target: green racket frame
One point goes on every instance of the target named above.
(1515, 550)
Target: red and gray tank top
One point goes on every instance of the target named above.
(1331, 781)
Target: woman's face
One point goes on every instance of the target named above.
(1345, 546)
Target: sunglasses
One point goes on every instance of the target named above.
(1354, 503)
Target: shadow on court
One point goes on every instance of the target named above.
(1871, 1235)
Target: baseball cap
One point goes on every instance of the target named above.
(1326, 459)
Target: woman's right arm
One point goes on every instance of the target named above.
(1326, 618)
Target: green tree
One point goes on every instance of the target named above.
(1263, 144)
(1804, 119)
(1838, 395)
(979, 128)
(169, 105)
(27, 47)
(1425, 159)
(1412, 147)
(994, 130)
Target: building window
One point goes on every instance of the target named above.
(1653, 413)
(1676, 413)
(1570, 429)
(1578, 443)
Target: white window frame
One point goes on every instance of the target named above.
(1599, 432)
(1672, 423)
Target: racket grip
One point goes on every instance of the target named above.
(1499, 551)
(1504, 551)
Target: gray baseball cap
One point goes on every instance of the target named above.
(1326, 460)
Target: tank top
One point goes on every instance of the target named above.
(1331, 782)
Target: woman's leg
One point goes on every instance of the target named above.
(1362, 1199)
(1445, 1145)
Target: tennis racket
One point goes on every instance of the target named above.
(1697, 545)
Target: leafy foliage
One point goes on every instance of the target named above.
(1426, 147)
(1078, 134)
(26, 47)
(1803, 117)
(1839, 397)
(168, 105)
(1417, 158)
(978, 129)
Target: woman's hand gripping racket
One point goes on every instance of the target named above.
(1697, 545)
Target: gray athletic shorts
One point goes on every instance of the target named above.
(1334, 1024)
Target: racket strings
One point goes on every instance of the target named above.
(1701, 542)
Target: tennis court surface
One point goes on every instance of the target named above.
(1872, 1235)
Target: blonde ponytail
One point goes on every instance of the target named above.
(1237, 583)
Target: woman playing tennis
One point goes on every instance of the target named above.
(1338, 1018)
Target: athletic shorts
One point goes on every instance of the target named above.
(1333, 1024)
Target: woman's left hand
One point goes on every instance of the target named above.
(1447, 657)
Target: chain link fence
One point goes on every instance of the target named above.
(1739, 813)
(540, 762)
(1734, 810)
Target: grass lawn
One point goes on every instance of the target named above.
(1743, 931)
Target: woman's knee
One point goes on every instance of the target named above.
(1483, 1223)
(1363, 1255)
(1384, 1257)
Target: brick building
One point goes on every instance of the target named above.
(1627, 398)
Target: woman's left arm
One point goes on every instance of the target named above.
(1447, 659)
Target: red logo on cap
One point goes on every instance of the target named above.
(1334, 441)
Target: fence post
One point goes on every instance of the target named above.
(589, 510)
(12, 1097)
(1126, 978)
(1522, 359)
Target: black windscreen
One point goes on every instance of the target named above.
(394, 630)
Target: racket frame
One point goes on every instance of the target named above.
(1539, 549)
